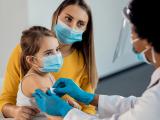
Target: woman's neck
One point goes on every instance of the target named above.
(66, 50)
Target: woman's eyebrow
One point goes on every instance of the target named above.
(73, 17)
(69, 15)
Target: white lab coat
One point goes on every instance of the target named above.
(146, 107)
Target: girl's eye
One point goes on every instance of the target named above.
(49, 53)
(57, 49)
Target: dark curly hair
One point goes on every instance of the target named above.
(145, 16)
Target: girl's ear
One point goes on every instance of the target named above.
(30, 60)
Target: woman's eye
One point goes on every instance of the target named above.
(81, 25)
(68, 19)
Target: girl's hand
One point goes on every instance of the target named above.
(25, 112)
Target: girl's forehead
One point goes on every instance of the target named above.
(49, 43)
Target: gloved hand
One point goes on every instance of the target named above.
(67, 86)
(51, 104)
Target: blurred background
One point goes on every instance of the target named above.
(125, 76)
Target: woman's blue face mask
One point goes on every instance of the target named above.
(67, 35)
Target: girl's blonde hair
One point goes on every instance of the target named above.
(31, 40)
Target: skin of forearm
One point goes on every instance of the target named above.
(95, 100)
(8, 110)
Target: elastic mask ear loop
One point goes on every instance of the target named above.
(153, 56)
(35, 64)
(146, 59)
(147, 48)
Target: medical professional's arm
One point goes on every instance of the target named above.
(107, 105)
(109, 108)
(95, 101)
(116, 107)
(46, 101)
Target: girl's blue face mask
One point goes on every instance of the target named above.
(52, 63)
(67, 35)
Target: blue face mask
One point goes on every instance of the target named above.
(66, 35)
(52, 63)
(141, 56)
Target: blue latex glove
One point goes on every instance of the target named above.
(51, 104)
(67, 86)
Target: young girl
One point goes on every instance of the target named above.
(40, 56)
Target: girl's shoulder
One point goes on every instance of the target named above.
(30, 84)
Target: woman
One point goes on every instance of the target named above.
(72, 24)
(145, 23)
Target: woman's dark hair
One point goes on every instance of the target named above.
(31, 40)
(145, 16)
(86, 47)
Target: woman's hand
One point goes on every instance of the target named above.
(19, 112)
(25, 112)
